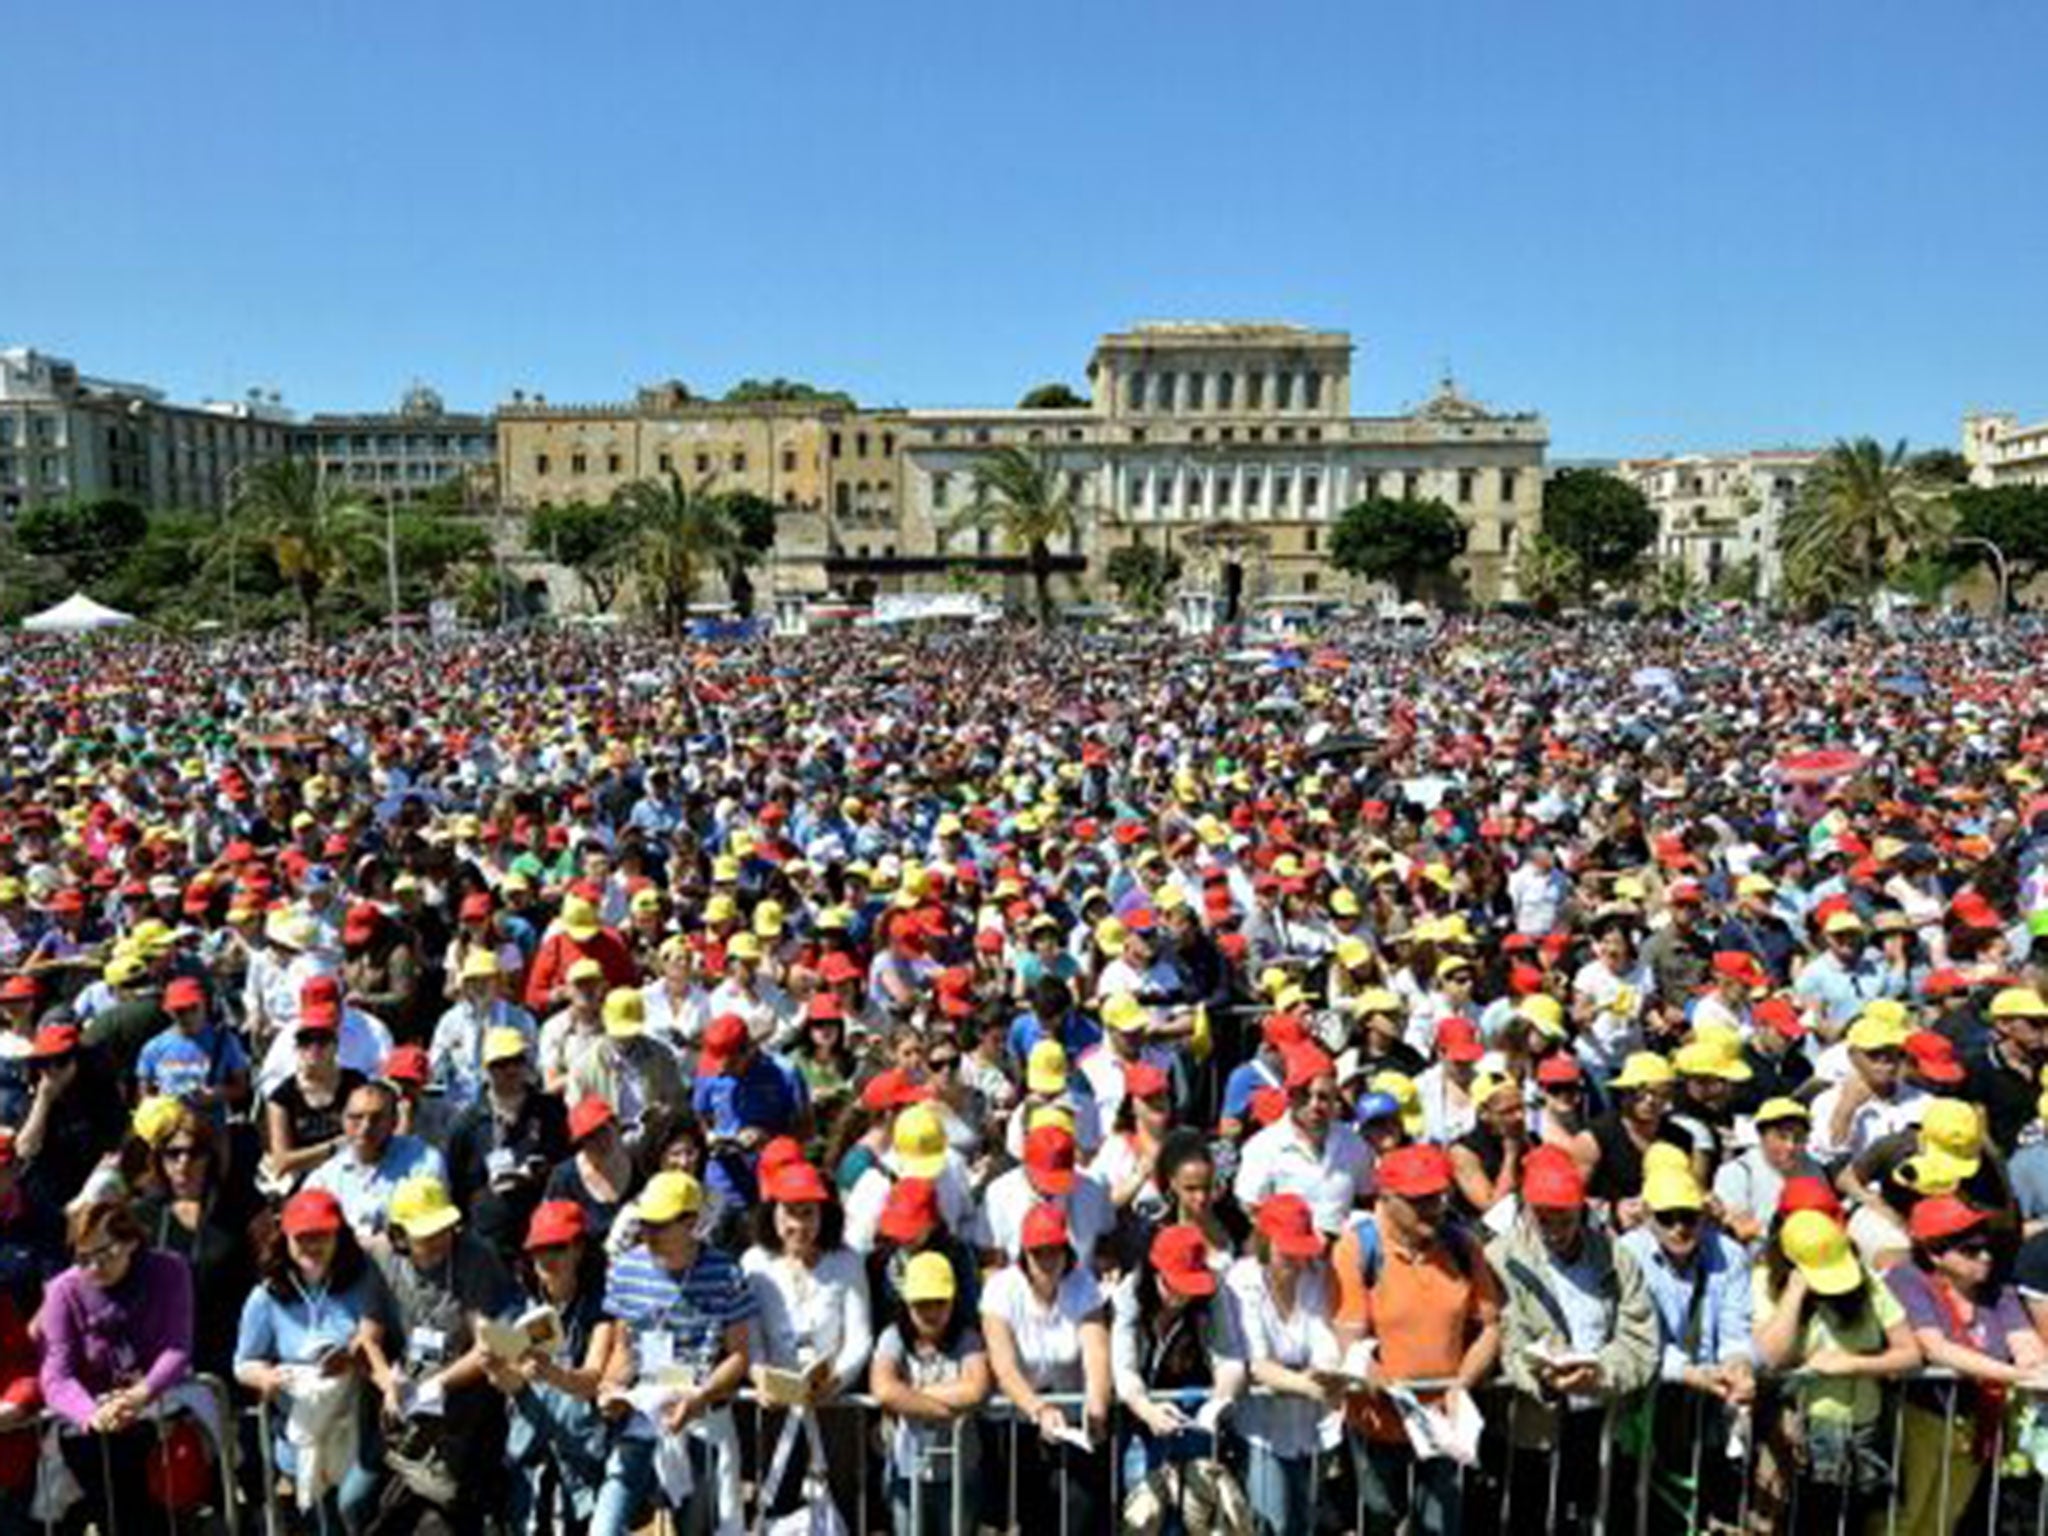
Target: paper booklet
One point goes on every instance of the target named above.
(1451, 1429)
(538, 1328)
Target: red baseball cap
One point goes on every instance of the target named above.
(796, 1183)
(892, 1089)
(184, 992)
(1180, 1257)
(590, 1113)
(1934, 1057)
(1306, 1063)
(1780, 1014)
(1943, 1216)
(1143, 1080)
(320, 1018)
(310, 1210)
(1049, 1156)
(18, 989)
(911, 1213)
(476, 907)
(406, 1064)
(1551, 1180)
(1045, 1226)
(53, 1040)
(827, 1007)
(1559, 1067)
(1738, 965)
(724, 1038)
(1457, 1039)
(556, 1223)
(1286, 1222)
(837, 969)
(1809, 1192)
(320, 989)
(1416, 1171)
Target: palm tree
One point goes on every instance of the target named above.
(315, 529)
(1027, 498)
(1861, 510)
(679, 533)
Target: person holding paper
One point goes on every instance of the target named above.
(930, 1370)
(1416, 1286)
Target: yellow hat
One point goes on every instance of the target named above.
(1046, 1071)
(585, 969)
(579, 918)
(2019, 1003)
(1376, 1000)
(625, 1013)
(1711, 1058)
(503, 1043)
(928, 1277)
(1663, 1157)
(919, 1141)
(1487, 1084)
(421, 1208)
(1050, 1114)
(1353, 952)
(1109, 936)
(1874, 1033)
(1401, 1088)
(1933, 1173)
(743, 946)
(1124, 1012)
(482, 965)
(1756, 885)
(1815, 1242)
(1290, 999)
(1344, 901)
(834, 920)
(10, 889)
(123, 969)
(1212, 831)
(768, 918)
(1954, 1129)
(1843, 921)
(1890, 1009)
(1644, 1069)
(647, 899)
(1771, 1111)
(669, 1196)
(1630, 888)
(1544, 1012)
(1170, 898)
(1272, 979)
(156, 1117)
(725, 870)
(721, 908)
(1673, 1189)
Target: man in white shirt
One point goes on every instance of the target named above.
(1873, 1101)
(1538, 891)
(1048, 1173)
(1308, 1151)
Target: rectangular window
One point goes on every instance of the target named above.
(1226, 384)
(739, 463)
(860, 445)
(1194, 391)
(1134, 393)
(611, 463)
(1134, 489)
(1312, 391)
(1251, 489)
(1311, 583)
(664, 462)
(836, 444)
(981, 434)
(1166, 490)
(1164, 391)
(1466, 481)
(888, 445)
(703, 463)
(1411, 485)
(842, 502)
(1137, 434)
(942, 486)
(1254, 391)
(1196, 434)
(1283, 491)
(1507, 486)
(1284, 434)
(1194, 493)
(789, 461)
(1226, 434)
(540, 463)
(1311, 538)
(1223, 485)
(1315, 434)
(1283, 392)
(1311, 492)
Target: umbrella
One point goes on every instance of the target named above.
(1819, 767)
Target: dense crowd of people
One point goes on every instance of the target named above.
(1048, 1081)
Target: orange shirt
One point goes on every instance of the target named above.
(1424, 1309)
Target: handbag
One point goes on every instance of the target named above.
(817, 1515)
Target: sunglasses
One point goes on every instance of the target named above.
(183, 1154)
(1971, 1248)
(1678, 1221)
(550, 1252)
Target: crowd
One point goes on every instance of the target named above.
(1047, 1081)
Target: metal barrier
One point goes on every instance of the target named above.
(51, 1431)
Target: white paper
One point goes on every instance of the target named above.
(1210, 1415)
(1500, 1216)
(1451, 1431)
(1066, 1434)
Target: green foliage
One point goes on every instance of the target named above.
(316, 530)
(2014, 517)
(1737, 583)
(1024, 495)
(1862, 511)
(1546, 573)
(1408, 543)
(1941, 466)
(1142, 575)
(679, 532)
(1604, 521)
(86, 540)
(592, 541)
(778, 389)
(1052, 397)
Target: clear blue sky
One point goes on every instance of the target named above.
(1667, 225)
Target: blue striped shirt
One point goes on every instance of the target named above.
(691, 1309)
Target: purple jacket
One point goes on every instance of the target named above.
(96, 1341)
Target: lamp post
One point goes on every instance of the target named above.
(1998, 561)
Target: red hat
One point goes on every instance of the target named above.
(1457, 1039)
(1945, 982)
(1284, 1032)
(1934, 1057)
(1780, 1014)
(320, 989)
(555, 1224)
(184, 992)
(53, 1040)
(1180, 1257)
(1943, 1216)
(198, 900)
(590, 1113)
(911, 1212)
(777, 1153)
(1559, 1067)
(1809, 1192)
(1690, 892)
(1552, 1180)
(1306, 1063)
(893, 1089)
(1416, 1171)
(71, 899)
(1739, 965)
(1524, 979)
(319, 1018)
(1267, 1105)
(1045, 1226)
(310, 1210)
(724, 1038)
(476, 907)
(18, 989)
(826, 1007)
(1144, 1080)
(796, 1183)
(1049, 1156)
(406, 1064)
(1286, 1222)
(360, 926)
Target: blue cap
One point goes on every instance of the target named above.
(1378, 1106)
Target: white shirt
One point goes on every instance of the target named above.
(1048, 1338)
(805, 1315)
(1300, 1340)
(680, 1023)
(1103, 1070)
(1279, 1160)
(362, 1044)
(1616, 1029)
(768, 1010)
(870, 1193)
(1872, 1120)
(1538, 897)
(1009, 1199)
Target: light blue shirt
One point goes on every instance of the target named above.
(1842, 991)
(365, 1190)
(1725, 1306)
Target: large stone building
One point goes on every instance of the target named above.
(404, 455)
(65, 436)
(1717, 512)
(2000, 451)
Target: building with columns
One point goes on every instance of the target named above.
(1717, 512)
(2001, 452)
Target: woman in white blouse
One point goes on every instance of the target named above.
(1048, 1334)
(1285, 1301)
(812, 1323)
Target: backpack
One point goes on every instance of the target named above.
(1458, 1242)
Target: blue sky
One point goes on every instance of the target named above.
(1673, 225)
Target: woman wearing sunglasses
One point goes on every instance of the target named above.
(1966, 1321)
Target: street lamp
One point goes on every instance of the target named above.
(1998, 560)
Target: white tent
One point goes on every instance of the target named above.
(76, 615)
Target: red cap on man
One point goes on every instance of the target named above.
(1551, 1180)
(1416, 1171)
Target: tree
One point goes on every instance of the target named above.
(678, 533)
(776, 390)
(753, 520)
(1862, 510)
(591, 541)
(2014, 517)
(315, 529)
(1142, 575)
(1546, 573)
(87, 539)
(1052, 397)
(1603, 520)
(1026, 497)
(1942, 466)
(1408, 543)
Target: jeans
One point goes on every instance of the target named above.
(1280, 1489)
(1393, 1485)
(628, 1488)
